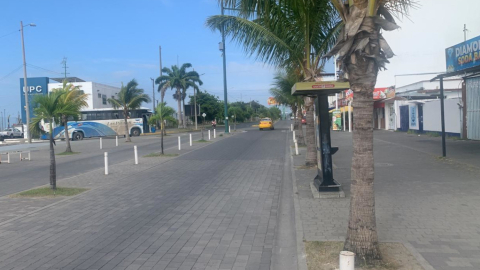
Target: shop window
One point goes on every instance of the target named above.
(104, 99)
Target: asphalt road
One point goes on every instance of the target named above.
(19, 176)
(227, 205)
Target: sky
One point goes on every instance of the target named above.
(111, 44)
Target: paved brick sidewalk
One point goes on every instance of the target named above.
(175, 215)
(432, 205)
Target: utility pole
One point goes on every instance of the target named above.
(153, 92)
(222, 48)
(162, 124)
(195, 105)
(64, 62)
(465, 32)
(25, 87)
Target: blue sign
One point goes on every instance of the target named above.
(413, 116)
(464, 55)
(35, 86)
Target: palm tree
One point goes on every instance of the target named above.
(72, 96)
(363, 51)
(178, 79)
(129, 98)
(287, 34)
(163, 112)
(282, 92)
(51, 108)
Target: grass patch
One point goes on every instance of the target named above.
(325, 256)
(160, 155)
(432, 134)
(67, 153)
(202, 141)
(221, 135)
(411, 131)
(48, 192)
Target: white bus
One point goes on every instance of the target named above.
(104, 122)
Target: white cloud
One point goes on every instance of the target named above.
(419, 46)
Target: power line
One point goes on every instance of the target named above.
(9, 33)
(37, 67)
(9, 74)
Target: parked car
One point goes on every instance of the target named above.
(266, 123)
(292, 117)
(11, 133)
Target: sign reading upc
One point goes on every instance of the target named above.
(35, 86)
(464, 55)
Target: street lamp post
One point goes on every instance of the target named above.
(25, 86)
(153, 91)
(222, 48)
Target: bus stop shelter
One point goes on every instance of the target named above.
(324, 181)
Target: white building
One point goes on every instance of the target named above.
(427, 89)
(98, 93)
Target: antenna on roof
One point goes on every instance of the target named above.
(64, 62)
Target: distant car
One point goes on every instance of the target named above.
(292, 117)
(11, 133)
(265, 123)
(304, 121)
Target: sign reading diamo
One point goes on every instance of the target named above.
(464, 55)
(35, 86)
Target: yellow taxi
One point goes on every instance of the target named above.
(266, 123)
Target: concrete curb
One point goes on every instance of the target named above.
(301, 254)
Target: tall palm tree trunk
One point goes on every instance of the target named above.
(299, 128)
(311, 156)
(179, 105)
(162, 126)
(67, 138)
(362, 231)
(183, 114)
(127, 133)
(53, 167)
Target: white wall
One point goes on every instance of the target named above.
(431, 116)
(92, 89)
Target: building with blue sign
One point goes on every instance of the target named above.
(98, 93)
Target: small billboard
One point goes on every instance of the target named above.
(464, 55)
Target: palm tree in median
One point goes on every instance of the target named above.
(74, 97)
(179, 79)
(129, 98)
(287, 34)
(50, 108)
(162, 112)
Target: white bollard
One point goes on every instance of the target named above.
(190, 139)
(179, 143)
(29, 158)
(228, 129)
(294, 138)
(101, 145)
(296, 148)
(116, 140)
(209, 134)
(136, 154)
(214, 134)
(20, 156)
(8, 158)
(291, 127)
(106, 163)
(347, 260)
